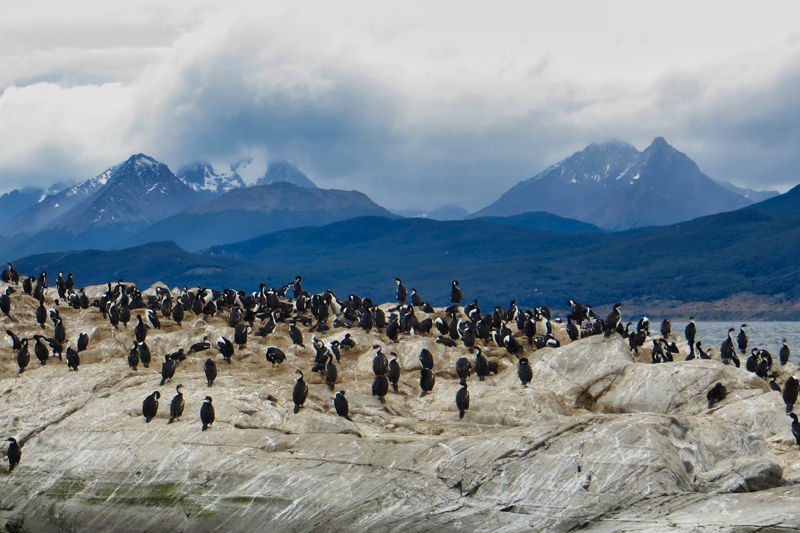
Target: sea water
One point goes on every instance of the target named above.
(763, 335)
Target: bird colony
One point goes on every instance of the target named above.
(195, 410)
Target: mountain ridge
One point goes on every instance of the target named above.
(616, 187)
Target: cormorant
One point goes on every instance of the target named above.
(416, 300)
(41, 314)
(690, 332)
(727, 352)
(177, 313)
(225, 348)
(426, 359)
(741, 339)
(481, 365)
(455, 294)
(300, 392)
(795, 429)
(140, 331)
(394, 372)
(207, 413)
(703, 354)
(785, 353)
(275, 356)
(347, 343)
(41, 351)
(463, 369)
(341, 405)
(144, 354)
(380, 365)
(666, 328)
(790, 389)
(380, 387)
(14, 451)
(210, 370)
(83, 342)
(462, 400)
(402, 294)
(330, 372)
(167, 369)
(73, 359)
(296, 335)
(716, 394)
(15, 343)
(23, 356)
(612, 320)
(150, 406)
(525, 372)
(427, 380)
(200, 346)
(176, 407)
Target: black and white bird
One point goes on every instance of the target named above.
(207, 414)
(150, 406)
(795, 428)
(455, 294)
(210, 370)
(785, 353)
(690, 332)
(176, 406)
(716, 394)
(14, 452)
(402, 294)
(462, 400)
(300, 392)
(612, 320)
(790, 390)
(525, 372)
(741, 339)
(341, 405)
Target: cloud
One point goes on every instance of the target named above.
(418, 112)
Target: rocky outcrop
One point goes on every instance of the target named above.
(598, 442)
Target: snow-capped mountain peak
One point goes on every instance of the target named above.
(204, 179)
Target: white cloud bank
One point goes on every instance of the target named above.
(416, 104)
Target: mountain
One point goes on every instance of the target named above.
(160, 261)
(544, 221)
(445, 212)
(15, 202)
(714, 267)
(47, 209)
(241, 214)
(616, 187)
(203, 179)
(102, 211)
(784, 205)
(750, 194)
(283, 171)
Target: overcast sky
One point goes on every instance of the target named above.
(417, 104)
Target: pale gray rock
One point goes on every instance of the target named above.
(597, 442)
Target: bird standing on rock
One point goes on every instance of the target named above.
(341, 405)
(716, 394)
(525, 372)
(14, 452)
(207, 414)
(462, 400)
(150, 406)
(795, 428)
(790, 390)
(210, 370)
(177, 405)
(612, 320)
(300, 392)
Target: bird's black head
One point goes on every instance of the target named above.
(178, 388)
(523, 360)
(792, 415)
(208, 399)
(157, 395)
(11, 439)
